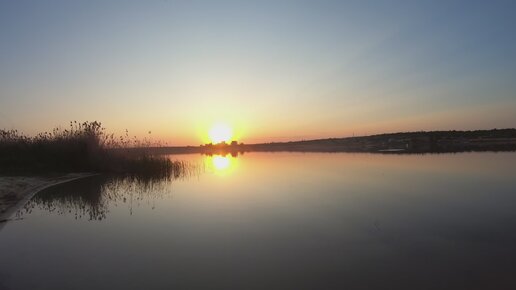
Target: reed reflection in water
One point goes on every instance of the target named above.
(91, 198)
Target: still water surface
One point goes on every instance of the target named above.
(276, 221)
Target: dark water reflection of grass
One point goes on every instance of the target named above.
(91, 198)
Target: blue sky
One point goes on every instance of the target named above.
(273, 70)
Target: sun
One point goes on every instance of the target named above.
(220, 133)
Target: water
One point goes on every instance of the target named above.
(276, 221)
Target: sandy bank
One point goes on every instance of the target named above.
(15, 191)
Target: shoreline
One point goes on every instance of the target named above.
(495, 140)
(16, 191)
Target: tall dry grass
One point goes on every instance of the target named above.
(81, 147)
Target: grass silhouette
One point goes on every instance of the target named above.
(83, 147)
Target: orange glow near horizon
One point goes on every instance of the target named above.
(220, 133)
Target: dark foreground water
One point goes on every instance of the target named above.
(276, 221)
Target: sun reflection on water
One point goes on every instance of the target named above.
(221, 164)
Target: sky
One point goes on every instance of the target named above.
(271, 70)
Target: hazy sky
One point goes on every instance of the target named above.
(273, 70)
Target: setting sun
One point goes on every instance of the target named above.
(220, 133)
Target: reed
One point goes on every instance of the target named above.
(82, 147)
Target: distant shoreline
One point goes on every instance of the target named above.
(391, 143)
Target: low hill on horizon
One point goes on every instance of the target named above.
(409, 142)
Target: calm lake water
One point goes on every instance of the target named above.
(276, 221)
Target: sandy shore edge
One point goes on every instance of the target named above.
(16, 191)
